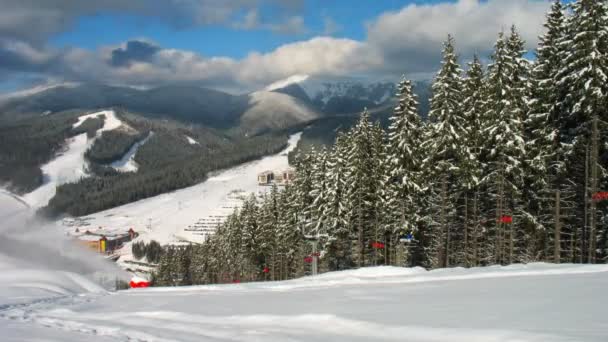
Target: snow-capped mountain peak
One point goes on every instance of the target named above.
(287, 81)
(336, 94)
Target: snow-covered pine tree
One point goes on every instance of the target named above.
(522, 245)
(303, 188)
(252, 239)
(361, 186)
(268, 222)
(447, 148)
(405, 188)
(339, 254)
(584, 114)
(383, 231)
(474, 110)
(504, 130)
(234, 241)
(545, 179)
(520, 72)
(289, 236)
(319, 192)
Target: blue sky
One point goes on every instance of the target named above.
(242, 45)
(114, 28)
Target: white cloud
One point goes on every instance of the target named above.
(404, 41)
(413, 35)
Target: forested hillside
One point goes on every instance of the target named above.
(510, 167)
(27, 144)
(167, 161)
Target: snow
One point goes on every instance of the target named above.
(111, 121)
(70, 164)
(11, 204)
(286, 82)
(34, 90)
(127, 163)
(185, 214)
(271, 107)
(191, 141)
(536, 302)
(325, 88)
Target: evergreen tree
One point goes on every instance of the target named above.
(505, 176)
(405, 187)
(583, 113)
(545, 175)
(339, 249)
(474, 110)
(448, 150)
(361, 186)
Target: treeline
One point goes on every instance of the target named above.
(90, 126)
(113, 145)
(152, 251)
(27, 144)
(510, 167)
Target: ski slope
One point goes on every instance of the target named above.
(536, 302)
(179, 216)
(127, 163)
(70, 164)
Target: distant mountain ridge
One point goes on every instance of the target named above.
(193, 104)
(283, 104)
(336, 95)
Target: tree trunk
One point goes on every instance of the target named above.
(499, 214)
(558, 229)
(475, 232)
(594, 189)
(445, 249)
(466, 229)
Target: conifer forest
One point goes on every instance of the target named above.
(511, 166)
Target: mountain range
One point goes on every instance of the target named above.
(281, 105)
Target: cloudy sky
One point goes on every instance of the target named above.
(240, 45)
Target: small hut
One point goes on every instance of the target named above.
(266, 178)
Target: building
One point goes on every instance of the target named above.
(104, 242)
(285, 177)
(280, 178)
(266, 178)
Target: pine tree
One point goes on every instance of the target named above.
(319, 192)
(268, 221)
(339, 250)
(361, 186)
(290, 235)
(504, 128)
(474, 110)
(448, 150)
(404, 156)
(545, 179)
(583, 113)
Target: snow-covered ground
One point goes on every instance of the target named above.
(70, 165)
(185, 214)
(10, 204)
(536, 302)
(127, 163)
(191, 141)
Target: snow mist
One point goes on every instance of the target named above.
(27, 241)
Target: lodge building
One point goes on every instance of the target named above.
(279, 178)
